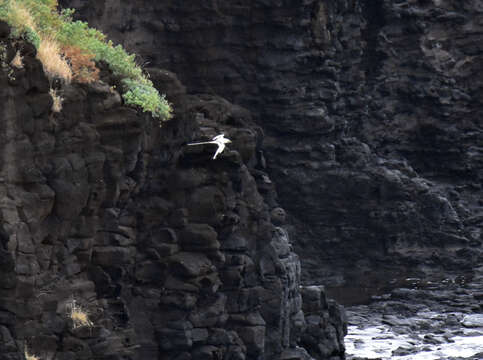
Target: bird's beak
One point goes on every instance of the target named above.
(229, 141)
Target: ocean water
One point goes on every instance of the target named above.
(439, 323)
(380, 342)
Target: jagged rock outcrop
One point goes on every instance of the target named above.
(371, 113)
(171, 254)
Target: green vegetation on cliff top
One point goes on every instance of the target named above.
(66, 48)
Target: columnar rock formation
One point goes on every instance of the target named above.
(172, 255)
(362, 119)
(371, 112)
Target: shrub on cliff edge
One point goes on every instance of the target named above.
(74, 44)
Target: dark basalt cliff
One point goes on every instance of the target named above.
(172, 255)
(357, 138)
(371, 112)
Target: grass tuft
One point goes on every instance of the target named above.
(54, 64)
(55, 34)
(17, 61)
(19, 17)
(29, 356)
(56, 101)
(79, 316)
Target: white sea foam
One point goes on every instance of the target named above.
(378, 342)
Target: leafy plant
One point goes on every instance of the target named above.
(144, 95)
(41, 23)
(83, 67)
(32, 37)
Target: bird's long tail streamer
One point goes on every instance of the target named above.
(202, 143)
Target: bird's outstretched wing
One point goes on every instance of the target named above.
(219, 140)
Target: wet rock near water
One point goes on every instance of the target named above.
(438, 322)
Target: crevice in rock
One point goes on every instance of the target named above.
(374, 19)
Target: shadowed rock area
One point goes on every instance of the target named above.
(371, 112)
(171, 255)
(357, 137)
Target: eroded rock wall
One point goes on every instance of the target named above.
(371, 112)
(64, 177)
(171, 254)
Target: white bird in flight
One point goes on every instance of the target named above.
(219, 140)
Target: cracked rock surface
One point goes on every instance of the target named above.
(169, 254)
(371, 112)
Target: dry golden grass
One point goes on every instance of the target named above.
(49, 52)
(30, 356)
(79, 316)
(20, 16)
(55, 66)
(57, 101)
(17, 61)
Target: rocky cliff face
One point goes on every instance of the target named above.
(371, 112)
(172, 255)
